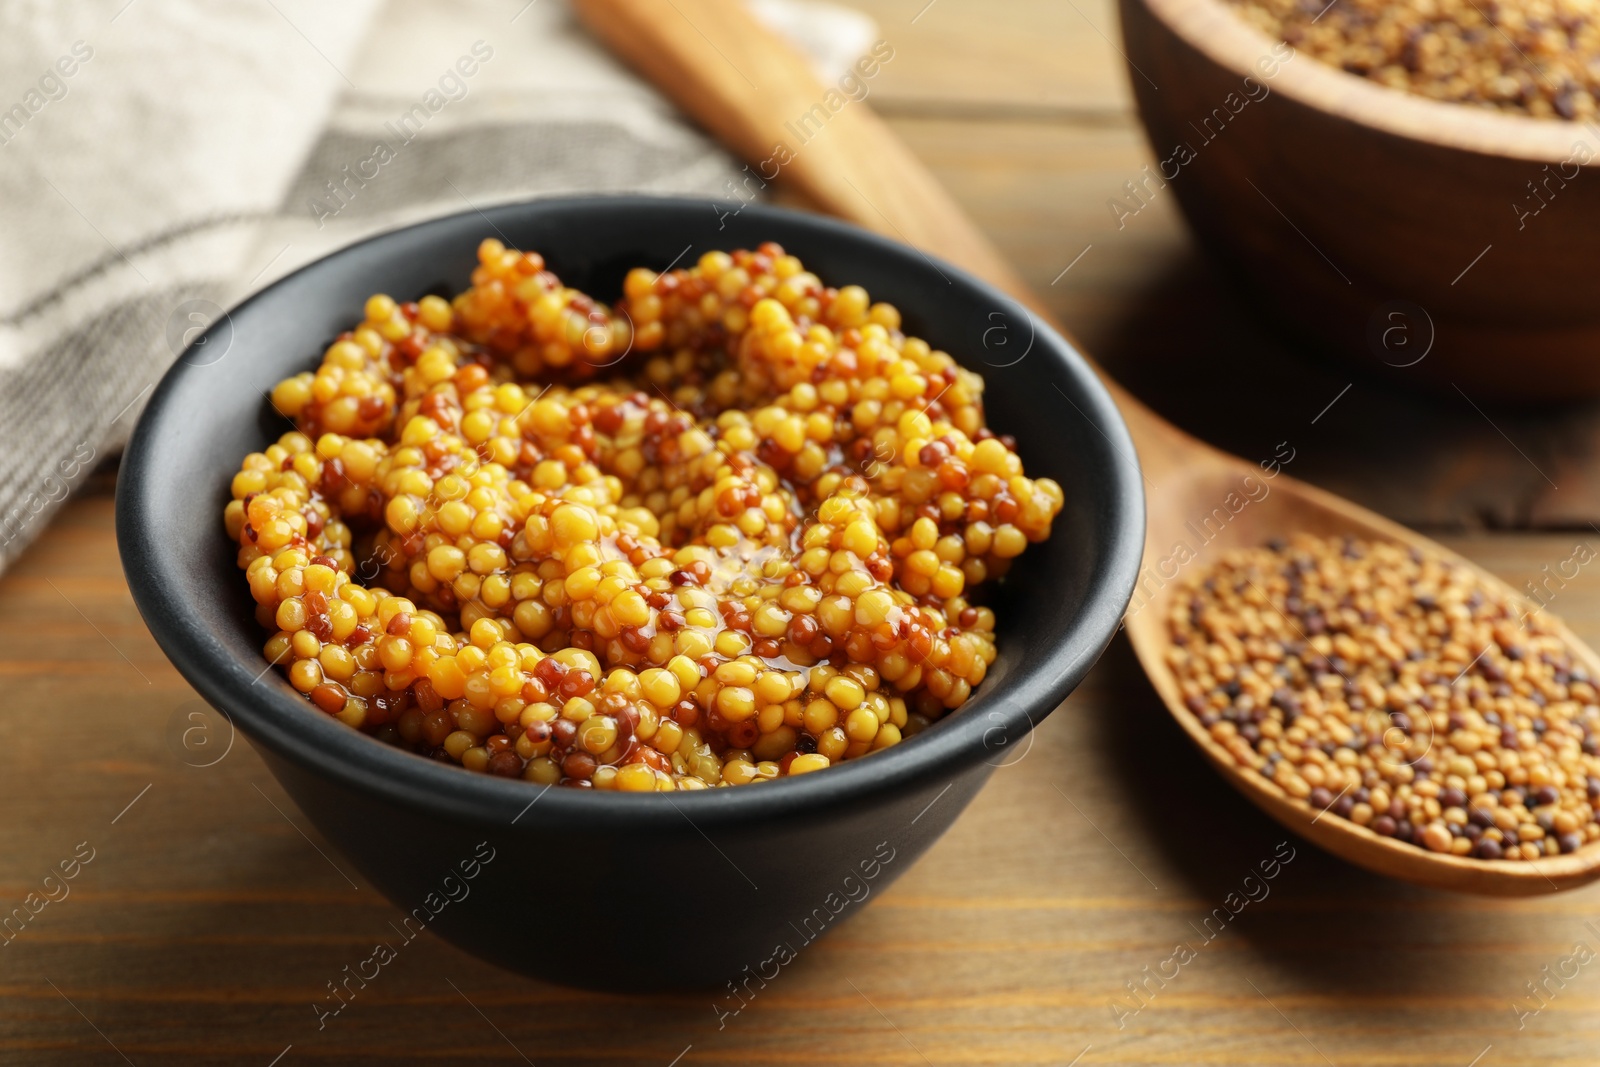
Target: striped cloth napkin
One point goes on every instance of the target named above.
(160, 159)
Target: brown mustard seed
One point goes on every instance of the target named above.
(1397, 690)
(725, 531)
(1536, 57)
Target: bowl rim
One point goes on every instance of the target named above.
(1214, 29)
(274, 718)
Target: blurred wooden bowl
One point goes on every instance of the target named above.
(1439, 243)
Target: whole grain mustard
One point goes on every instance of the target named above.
(727, 530)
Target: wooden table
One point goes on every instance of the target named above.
(210, 915)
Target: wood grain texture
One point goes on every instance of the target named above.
(206, 924)
(960, 58)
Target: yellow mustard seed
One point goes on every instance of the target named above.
(497, 536)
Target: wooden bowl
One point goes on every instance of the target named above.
(1396, 231)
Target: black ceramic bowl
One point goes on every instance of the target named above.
(610, 890)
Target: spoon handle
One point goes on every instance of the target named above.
(750, 89)
(753, 92)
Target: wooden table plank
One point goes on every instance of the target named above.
(206, 925)
(1050, 60)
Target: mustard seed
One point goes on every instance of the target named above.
(1534, 57)
(750, 551)
(1395, 689)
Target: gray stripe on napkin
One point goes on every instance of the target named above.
(74, 410)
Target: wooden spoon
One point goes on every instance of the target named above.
(749, 88)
